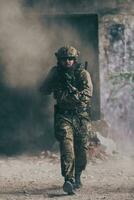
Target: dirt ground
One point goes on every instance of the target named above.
(38, 178)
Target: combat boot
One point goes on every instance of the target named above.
(78, 183)
(68, 186)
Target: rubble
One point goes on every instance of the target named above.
(48, 154)
(99, 145)
(100, 126)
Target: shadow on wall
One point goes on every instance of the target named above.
(24, 126)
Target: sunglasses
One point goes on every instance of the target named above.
(67, 58)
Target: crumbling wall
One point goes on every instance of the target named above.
(116, 36)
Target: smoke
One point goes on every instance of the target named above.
(28, 42)
(24, 51)
(23, 44)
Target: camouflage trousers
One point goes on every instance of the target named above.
(72, 133)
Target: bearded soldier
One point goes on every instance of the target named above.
(72, 88)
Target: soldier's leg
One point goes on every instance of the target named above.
(65, 136)
(67, 154)
(67, 160)
(80, 145)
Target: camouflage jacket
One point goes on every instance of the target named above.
(71, 88)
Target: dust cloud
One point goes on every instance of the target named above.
(22, 44)
(28, 42)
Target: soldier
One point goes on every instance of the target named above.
(72, 88)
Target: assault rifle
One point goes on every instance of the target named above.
(73, 90)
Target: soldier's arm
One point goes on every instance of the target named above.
(46, 87)
(84, 94)
(86, 91)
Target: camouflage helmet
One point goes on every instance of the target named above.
(67, 51)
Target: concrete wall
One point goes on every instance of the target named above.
(116, 42)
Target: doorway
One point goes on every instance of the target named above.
(80, 31)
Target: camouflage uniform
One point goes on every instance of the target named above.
(71, 119)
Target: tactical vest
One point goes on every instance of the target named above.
(72, 76)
